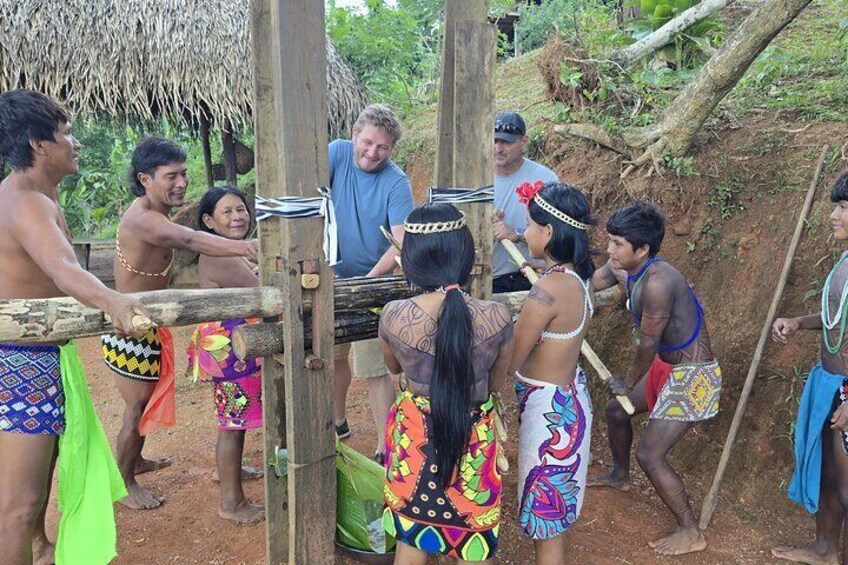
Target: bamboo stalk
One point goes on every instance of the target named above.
(711, 500)
(585, 348)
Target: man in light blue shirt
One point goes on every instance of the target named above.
(509, 221)
(368, 191)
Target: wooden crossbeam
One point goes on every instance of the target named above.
(47, 320)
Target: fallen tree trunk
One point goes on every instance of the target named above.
(664, 35)
(50, 320)
(675, 132)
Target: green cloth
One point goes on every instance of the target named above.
(89, 480)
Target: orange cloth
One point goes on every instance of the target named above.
(658, 374)
(161, 412)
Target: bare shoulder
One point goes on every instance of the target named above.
(26, 208)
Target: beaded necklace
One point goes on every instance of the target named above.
(130, 268)
(840, 318)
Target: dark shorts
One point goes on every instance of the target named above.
(32, 400)
(138, 359)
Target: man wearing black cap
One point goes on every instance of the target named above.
(509, 222)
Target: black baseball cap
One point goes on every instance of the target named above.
(509, 126)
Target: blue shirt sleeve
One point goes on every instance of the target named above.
(400, 202)
(334, 154)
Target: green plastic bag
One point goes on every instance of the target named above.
(359, 503)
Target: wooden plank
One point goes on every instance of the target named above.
(473, 159)
(299, 93)
(265, 38)
(455, 10)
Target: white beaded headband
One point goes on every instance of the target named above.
(558, 214)
(436, 227)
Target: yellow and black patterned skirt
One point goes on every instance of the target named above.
(133, 358)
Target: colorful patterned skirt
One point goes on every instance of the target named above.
(690, 393)
(32, 400)
(555, 427)
(134, 358)
(461, 520)
(238, 384)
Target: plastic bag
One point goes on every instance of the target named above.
(359, 502)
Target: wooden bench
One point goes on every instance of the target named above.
(82, 248)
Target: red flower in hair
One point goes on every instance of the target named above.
(527, 191)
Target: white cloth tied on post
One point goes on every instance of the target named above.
(485, 195)
(288, 207)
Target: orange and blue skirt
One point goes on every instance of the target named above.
(460, 520)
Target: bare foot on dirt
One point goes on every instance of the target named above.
(42, 551)
(147, 465)
(609, 480)
(244, 513)
(139, 498)
(684, 540)
(247, 474)
(804, 555)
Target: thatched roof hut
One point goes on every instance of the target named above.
(141, 59)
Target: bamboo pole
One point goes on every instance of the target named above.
(585, 348)
(711, 500)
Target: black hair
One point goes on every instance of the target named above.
(839, 192)
(431, 261)
(568, 244)
(211, 198)
(151, 153)
(640, 224)
(25, 116)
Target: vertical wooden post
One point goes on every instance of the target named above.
(465, 152)
(455, 10)
(207, 150)
(230, 167)
(291, 159)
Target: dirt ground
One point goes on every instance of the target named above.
(614, 527)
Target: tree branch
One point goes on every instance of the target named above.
(664, 35)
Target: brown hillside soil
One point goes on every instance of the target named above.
(733, 262)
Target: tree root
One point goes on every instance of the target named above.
(597, 135)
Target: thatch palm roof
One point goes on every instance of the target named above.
(141, 59)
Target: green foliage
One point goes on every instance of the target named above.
(724, 197)
(805, 69)
(689, 48)
(392, 49)
(682, 166)
(93, 199)
(568, 19)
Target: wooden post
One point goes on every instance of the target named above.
(291, 159)
(207, 150)
(455, 10)
(473, 158)
(230, 166)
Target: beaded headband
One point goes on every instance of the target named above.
(436, 227)
(527, 192)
